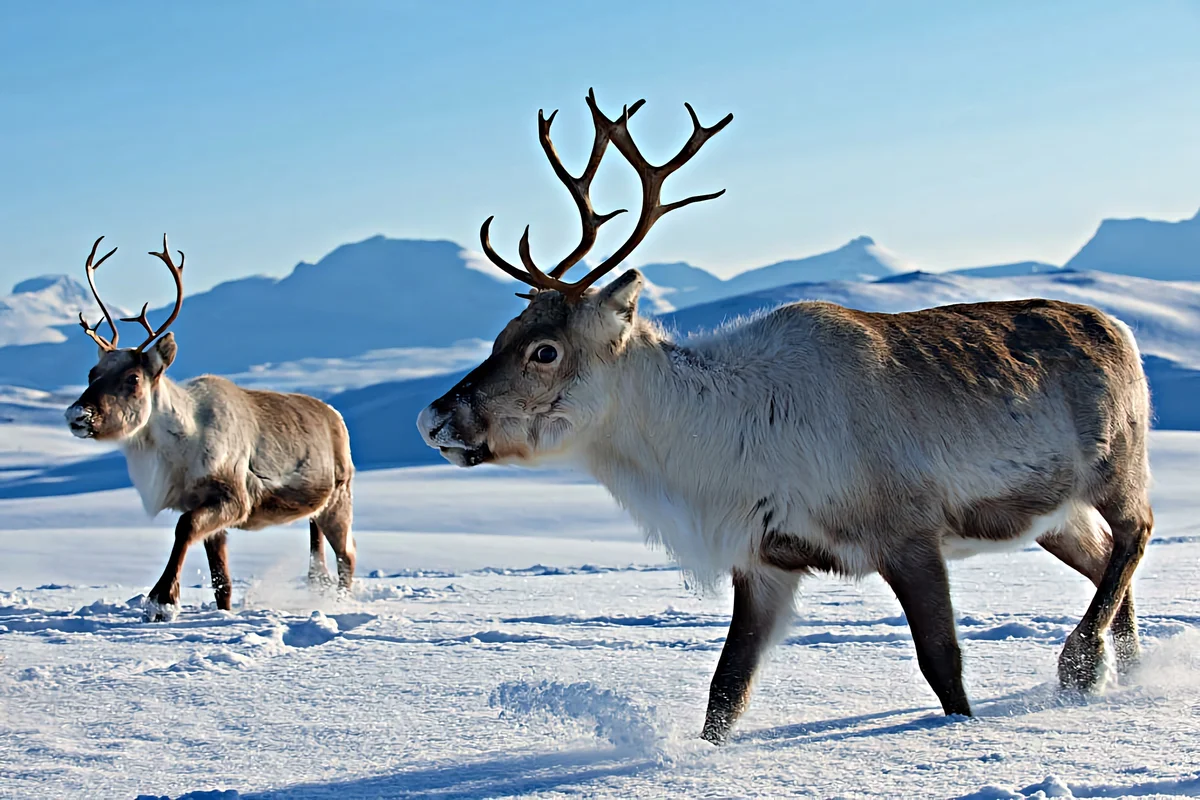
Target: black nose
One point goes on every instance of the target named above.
(80, 415)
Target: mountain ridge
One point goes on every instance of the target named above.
(1149, 248)
(382, 294)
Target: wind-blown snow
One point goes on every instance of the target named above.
(325, 376)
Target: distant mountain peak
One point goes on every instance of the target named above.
(1159, 249)
(41, 282)
(38, 308)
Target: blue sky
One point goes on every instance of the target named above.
(261, 134)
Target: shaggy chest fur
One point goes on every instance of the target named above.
(713, 526)
(153, 477)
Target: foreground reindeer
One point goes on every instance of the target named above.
(224, 456)
(819, 438)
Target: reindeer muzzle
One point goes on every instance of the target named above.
(82, 421)
(460, 442)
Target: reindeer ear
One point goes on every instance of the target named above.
(621, 295)
(160, 356)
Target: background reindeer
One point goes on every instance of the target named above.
(818, 438)
(224, 456)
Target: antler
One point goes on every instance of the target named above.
(651, 177)
(177, 274)
(90, 269)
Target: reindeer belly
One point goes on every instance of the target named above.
(1002, 536)
(280, 505)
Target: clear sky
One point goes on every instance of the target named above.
(260, 134)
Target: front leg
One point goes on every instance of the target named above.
(918, 576)
(762, 601)
(222, 507)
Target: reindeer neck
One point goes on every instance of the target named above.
(657, 393)
(172, 417)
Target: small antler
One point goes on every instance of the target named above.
(177, 274)
(653, 209)
(91, 330)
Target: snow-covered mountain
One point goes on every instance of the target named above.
(1168, 251)
(38, 308)
(680, 285)
(859, 259)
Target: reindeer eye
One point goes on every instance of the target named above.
(131, 380)
(545, 354)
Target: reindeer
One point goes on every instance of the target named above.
(223, 456)
(817, 438)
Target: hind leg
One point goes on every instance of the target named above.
(1079, 667)
(334, 522)
(318, 571)
(1126, 643)
(218, 569)
(1085, 545)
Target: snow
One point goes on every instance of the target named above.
(681, 285)
(510, 635)
(325, 376)
(39, 309)
(1008, 270)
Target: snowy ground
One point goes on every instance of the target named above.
(512, 636)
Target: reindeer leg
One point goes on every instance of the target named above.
(918, 577)
(335, 521)
(1086, 547)
(1080, 666)
(1124, 629)
(762, 602)
(318, 570)
(218, 569)
(223, 508)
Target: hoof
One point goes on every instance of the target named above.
(320, 581)
(1083, 666)
(716, 732)
(154, 611)
(1128, 652)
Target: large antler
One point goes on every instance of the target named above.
(91, 330)
(177, 274)
(653, 209)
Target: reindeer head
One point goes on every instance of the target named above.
(545, 383)
(119, 398)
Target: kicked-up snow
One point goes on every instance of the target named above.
(532, 646)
